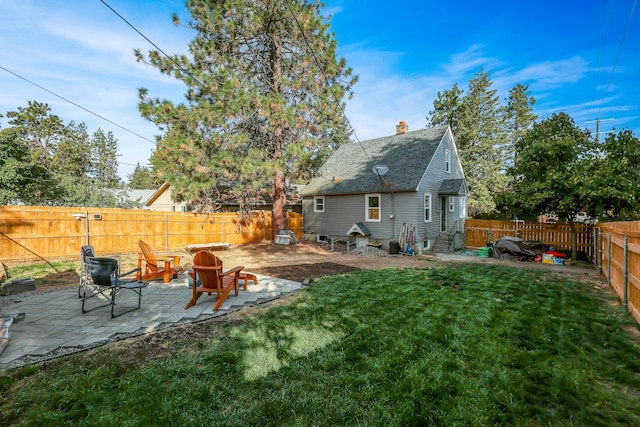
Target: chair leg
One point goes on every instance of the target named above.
(136, 289)
(95, 294)
(222, 297)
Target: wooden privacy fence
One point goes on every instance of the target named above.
(29, 233)
(479, 232)
(621, 262)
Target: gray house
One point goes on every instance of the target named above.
(377, 191)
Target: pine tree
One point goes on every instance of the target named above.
(447, 109)
(143, 178)
(104, 159)
(519, 118)
(480, 134)
(40, 129)
(264, 87)
(80, 169)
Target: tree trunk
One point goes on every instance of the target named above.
(279, 212)
(279, 183)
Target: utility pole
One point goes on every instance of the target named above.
(597, 122)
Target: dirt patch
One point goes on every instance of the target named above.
(306, 272)
(307, 260)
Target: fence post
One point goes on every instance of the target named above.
(594, 246)
(599, 250)
(609, 263)
(626, 270)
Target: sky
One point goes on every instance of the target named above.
(578, 57)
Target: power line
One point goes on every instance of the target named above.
(76, 105)
(178, 65)
(315, 59)
(338, 101)
(604, 42)
(624, 36)
(151, 43)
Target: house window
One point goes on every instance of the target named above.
(372, 207)
(447, 161)
(183, 208)
(427, 207)
(463, 207)
(452, 207)
(318, 204)
(173, 208)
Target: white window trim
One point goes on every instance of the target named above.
(463, 207)
(315, 204)
(430, 219)
(447, 161)
(366, 207)
(452, 204)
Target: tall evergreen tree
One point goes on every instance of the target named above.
(71, 156)
(40, 129)
(447, 109)
(264, 85)
(478, 123)
(104, 159)
(143, 178)
(480, 134)
(79, 168)
(519, 118)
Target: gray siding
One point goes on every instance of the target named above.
(430, 183)
(341, 212)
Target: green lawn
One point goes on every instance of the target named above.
(469, 344)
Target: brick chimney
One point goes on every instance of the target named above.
(401, 128)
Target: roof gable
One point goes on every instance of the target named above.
(349, 170)
(453, 187)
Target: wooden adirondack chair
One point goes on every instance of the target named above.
(208, 268)
(167, 266)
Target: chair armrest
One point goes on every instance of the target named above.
(135, 270)
(232, 271)
(174, 257)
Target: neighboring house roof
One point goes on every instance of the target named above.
(452, 187)
(164, 187)
(133, 196)
(349, 170)
(226, 198)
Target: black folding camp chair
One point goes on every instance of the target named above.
(105, 282)
(85, 252)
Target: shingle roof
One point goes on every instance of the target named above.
(359, 228)
(349, 170)
(452, 187)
